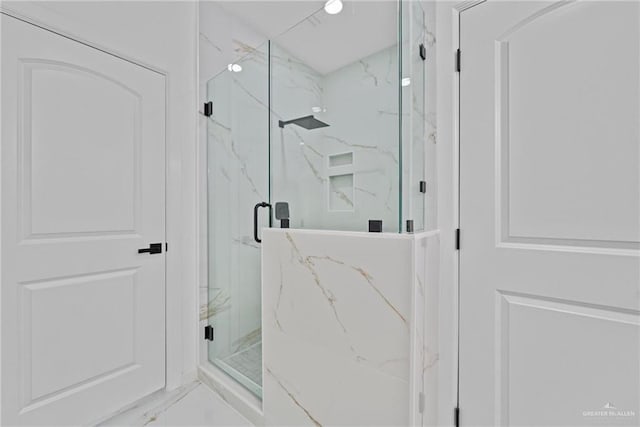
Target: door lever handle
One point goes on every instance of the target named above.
(154, 248)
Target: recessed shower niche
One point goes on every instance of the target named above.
(343, 159)
(318, 118)
(341, 189)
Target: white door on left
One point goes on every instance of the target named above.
(83, 188)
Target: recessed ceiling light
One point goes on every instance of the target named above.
(333, 7)
(406, 81)
(236, 68)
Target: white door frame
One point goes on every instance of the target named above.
(174, 375)
(457, 11)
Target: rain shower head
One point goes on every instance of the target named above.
(307, 122)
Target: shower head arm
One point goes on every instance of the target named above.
(282, 124)
(306, 122)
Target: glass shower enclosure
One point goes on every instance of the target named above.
(238, 179)
(325, 131)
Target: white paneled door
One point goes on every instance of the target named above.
(549, 213)
(83, 189)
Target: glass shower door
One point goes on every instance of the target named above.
(238, 179)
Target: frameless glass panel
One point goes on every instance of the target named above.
(238, 179)
(414, 113)
(341, 168)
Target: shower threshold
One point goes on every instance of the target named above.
(245, 366)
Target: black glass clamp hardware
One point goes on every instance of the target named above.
(154, 248)
(208, 109)
(375, 226)
(409, 226)
(208, 333)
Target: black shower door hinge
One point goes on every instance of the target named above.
(208, 109)
(208, 333)
(458, 60)
(422, 51)
(457, 239)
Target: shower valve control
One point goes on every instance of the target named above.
(282, 214)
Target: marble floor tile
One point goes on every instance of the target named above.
(190, 406)
(200, 407)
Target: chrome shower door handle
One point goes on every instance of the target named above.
(255, 218)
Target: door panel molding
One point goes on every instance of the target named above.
(128, 226)
(561, 305)
(82, 311)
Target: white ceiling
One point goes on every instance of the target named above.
(322, 41)
(268, 17)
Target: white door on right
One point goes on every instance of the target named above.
(549, 213)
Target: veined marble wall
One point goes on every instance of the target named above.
(348, 338)
(297, 173)
(362, 108)
(360, 103)
(425, 344)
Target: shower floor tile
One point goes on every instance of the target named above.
(248, 362)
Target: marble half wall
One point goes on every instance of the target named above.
(346, 332)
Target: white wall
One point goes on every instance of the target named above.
(163, 36)
(447, 301)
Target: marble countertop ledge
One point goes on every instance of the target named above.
(361, 234)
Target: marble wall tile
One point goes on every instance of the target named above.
(359, 102)
(424, 364)
(344, 327)
(223, 39)
(431, 353)
(362, 108)
(296, 163)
